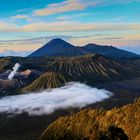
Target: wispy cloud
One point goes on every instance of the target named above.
(7, 27)
(19, 46)
(68, 26)
(75, 5)
(19, 17)
(69, 18)
(72, 16)
(66, 6)
(14, 53)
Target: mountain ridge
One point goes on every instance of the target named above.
(109, 51)
(59, 47)
(88, 69)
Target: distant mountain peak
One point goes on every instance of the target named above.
(57, 42)
(57, 39)
(59, 47)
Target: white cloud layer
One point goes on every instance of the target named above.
(72, 95)
(15, 53)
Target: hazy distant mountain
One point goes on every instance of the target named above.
(59, 47)
(109, 51)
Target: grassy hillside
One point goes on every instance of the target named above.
(116, 124)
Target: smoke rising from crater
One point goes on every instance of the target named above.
(15, 69)
(72, 95)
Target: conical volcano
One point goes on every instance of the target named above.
(58, 47)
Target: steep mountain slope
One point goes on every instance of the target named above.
(116, 124)
(47, 80)
(109, 51)
(89, 69)
(58, 47)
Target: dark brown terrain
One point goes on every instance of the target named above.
(28, 127)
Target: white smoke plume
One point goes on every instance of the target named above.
(72, 95)
(15, 70)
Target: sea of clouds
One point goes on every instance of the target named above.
(75, 95)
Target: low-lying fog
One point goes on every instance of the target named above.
(72, 95)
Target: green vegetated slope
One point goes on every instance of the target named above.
(116, 124)
(47, 80)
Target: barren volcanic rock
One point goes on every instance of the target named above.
(47, 80)
(20, 80)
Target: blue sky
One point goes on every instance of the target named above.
(28, 24)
